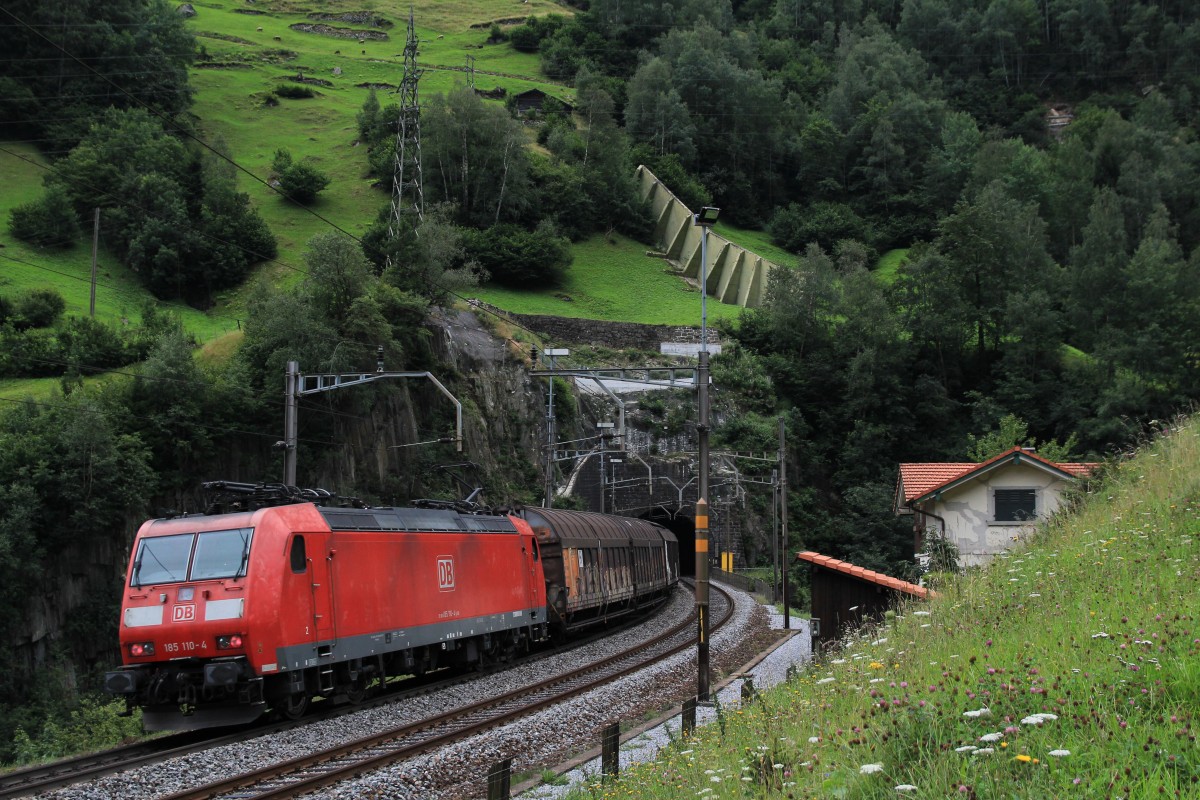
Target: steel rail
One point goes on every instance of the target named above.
(28, 781)
(305, 774)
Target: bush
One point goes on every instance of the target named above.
(90, 346)
(520, 258)
(94, 725)
(824, 223)
(299, 181)
(38, 309)
(49, 221)
(525, 38)
(294, 92)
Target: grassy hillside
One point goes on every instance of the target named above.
(598, 286)
(1069, 668)
(249, 51)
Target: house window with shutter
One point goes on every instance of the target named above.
(1015, 505)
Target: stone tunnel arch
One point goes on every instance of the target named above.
(684, 528)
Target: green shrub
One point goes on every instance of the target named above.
(822, 222)
(39, 309)
(49, 221)
(90, 346)
(516, 257)
(294, 92)
(94, 725)
(299, 181)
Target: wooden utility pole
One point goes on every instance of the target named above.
(95, 247)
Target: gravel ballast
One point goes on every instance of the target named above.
(533, 742)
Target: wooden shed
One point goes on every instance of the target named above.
(535, 100)
(845, 595)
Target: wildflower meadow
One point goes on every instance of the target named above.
(1069, 667)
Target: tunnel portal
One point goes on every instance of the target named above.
(684, 528)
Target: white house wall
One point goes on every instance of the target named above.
(969, 510)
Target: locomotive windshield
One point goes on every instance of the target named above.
(191, 556)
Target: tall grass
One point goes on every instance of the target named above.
(1068, 668)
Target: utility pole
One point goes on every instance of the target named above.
(774, 534)
(705, 219)
(605, 429)
(783, 517)
(95, 247)
(551, 354)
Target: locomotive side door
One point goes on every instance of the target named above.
(532, 578)
(309, 558)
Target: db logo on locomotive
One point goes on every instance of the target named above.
(185, 613)
(445, 567)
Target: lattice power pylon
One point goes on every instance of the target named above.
(408, 200)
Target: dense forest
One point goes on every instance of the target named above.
(1049, 293)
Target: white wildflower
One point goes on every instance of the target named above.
(868, 769)
(1060, 753)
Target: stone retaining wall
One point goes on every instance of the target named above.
(618, 335)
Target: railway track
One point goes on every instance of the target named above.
(65, 772)
(311, 772)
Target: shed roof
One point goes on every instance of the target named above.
(920, 481)
(863, 574)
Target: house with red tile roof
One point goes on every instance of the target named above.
(983, 508)
(845, 595)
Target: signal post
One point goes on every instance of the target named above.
(702, 664)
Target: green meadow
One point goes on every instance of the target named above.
(1069, 667)
(248, 52)
(613, 278)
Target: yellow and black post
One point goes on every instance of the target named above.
(702, 667)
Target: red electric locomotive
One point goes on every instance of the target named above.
(281, 598)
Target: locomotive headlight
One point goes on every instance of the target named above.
(139, 649)
(230, 641)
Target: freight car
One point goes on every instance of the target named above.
(279, 597)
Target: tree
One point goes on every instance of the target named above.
(298, 181)
(656, 114)
(998, 245)
(475, 157)
(338, 274)
(432, 260)
(950, 163)
(1097, 271)
(176, 409)
(50, 93)
(1012, 431)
